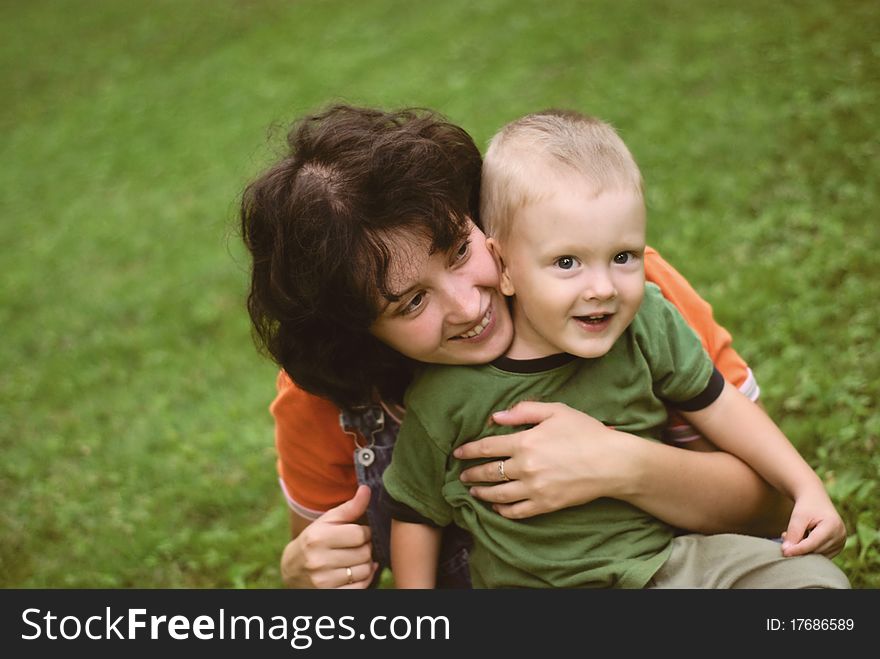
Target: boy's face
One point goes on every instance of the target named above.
(574, 261)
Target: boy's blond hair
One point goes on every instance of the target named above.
(524, 153)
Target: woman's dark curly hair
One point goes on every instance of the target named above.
(316, 223)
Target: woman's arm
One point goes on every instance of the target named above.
(323, 551)
(317, 473)
(415, 549)
(569, 458)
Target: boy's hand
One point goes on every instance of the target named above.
(814, 527)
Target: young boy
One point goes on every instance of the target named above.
(563, 206)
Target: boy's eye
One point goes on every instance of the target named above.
(622, 258)
(565, 262)
(463, 250)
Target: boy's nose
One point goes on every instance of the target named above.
(599, 286)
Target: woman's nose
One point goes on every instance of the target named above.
(464, 303)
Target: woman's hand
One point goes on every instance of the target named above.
(566, 459)
(333, 551)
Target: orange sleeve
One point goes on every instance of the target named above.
(315, 456)
(716, 340)
(698, 314)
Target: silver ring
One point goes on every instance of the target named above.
(504, 477)
(350, 575)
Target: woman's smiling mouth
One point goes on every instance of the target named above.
(477, 329)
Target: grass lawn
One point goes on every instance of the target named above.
(137, 445)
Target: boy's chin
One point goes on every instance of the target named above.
(593, 349)
(590, 354)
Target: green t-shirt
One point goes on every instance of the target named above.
(604, 543)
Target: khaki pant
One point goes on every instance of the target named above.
(728, 560)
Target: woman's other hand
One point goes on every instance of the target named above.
(333, 551)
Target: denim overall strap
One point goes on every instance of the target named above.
(372, 454)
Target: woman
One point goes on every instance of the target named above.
(368, 259)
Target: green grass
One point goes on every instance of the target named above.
(135, 434)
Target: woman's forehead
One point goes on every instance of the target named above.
(410, 251)
(409, 255)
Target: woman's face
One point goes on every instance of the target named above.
(450, 310)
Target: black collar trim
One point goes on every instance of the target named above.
(538, 365)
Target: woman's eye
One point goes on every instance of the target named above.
(565, 262)
(463, 250)
(622, 258)
(413, 304)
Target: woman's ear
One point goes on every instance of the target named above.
(506, 284)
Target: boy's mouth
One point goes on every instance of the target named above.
(594, 319)
(596, 322)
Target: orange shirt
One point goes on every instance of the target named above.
(315, 457)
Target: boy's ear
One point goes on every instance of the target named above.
(497, 253)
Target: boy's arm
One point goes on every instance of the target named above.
(736, 425)
(415, 550)
(413, 497)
